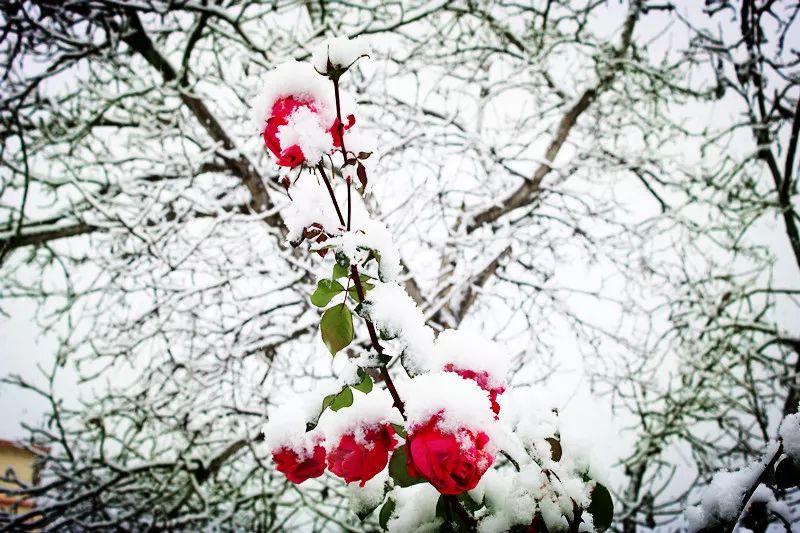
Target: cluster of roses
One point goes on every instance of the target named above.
(452, 459)
(453, 462)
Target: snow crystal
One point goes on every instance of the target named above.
(465, 405)
(309, 130)
(790, 435)
(368, 410)
(471, 351)
(362, 499)
(341, 51)
(393, 311)
(415, 510)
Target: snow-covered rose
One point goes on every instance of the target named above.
(451, 462)
(362, 457)
(483, 380)
(300, 466)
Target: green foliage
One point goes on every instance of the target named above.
(399, 470)
(325, 291)
(336, 328)
(601, 508)
(365, 385)
(386, 513)
(343, 399)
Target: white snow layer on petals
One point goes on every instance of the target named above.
(286, 426)
(415, 510)
(298, 79)
(393, 311)
(465, 405)
(368, 410)
(790, 435)
(470, 350)
(341, 51)
(309, 130)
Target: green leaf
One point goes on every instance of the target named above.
(400, 430)
(325, 291)
(601, 508)
(339, 271)
(336, 328)
(469, 504)
(365, 285)
(365, 385)
(342, 259)
(327, 401)
(399, 470)
(343, 399)
(386, 513)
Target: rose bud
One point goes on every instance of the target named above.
(361, 457)
(483, 380)
(299, 467)
(451, 462)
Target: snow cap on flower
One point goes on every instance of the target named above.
(359, 437)
(295, 79)
(469, 350)
(338, 53)
(461, 403)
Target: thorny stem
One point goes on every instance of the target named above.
(339, 118)
(330, 191)
(354, 274)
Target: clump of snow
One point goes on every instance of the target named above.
(469, 350)
(362, 499)
(723, 498)
(393, 311)
(366, 235)
(462, 402)
(286, 425)
(298, 79)
(368, 410)
(510, 498)
(764, 494)
(340, 51)
(790, 436)
(311, 204)
(309, 130)
(415, 510)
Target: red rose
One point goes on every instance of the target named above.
(482, 379)
(290, 156)
(451, 462)
(299, 469)
(362, 459)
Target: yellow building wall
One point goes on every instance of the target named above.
(22, 462)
